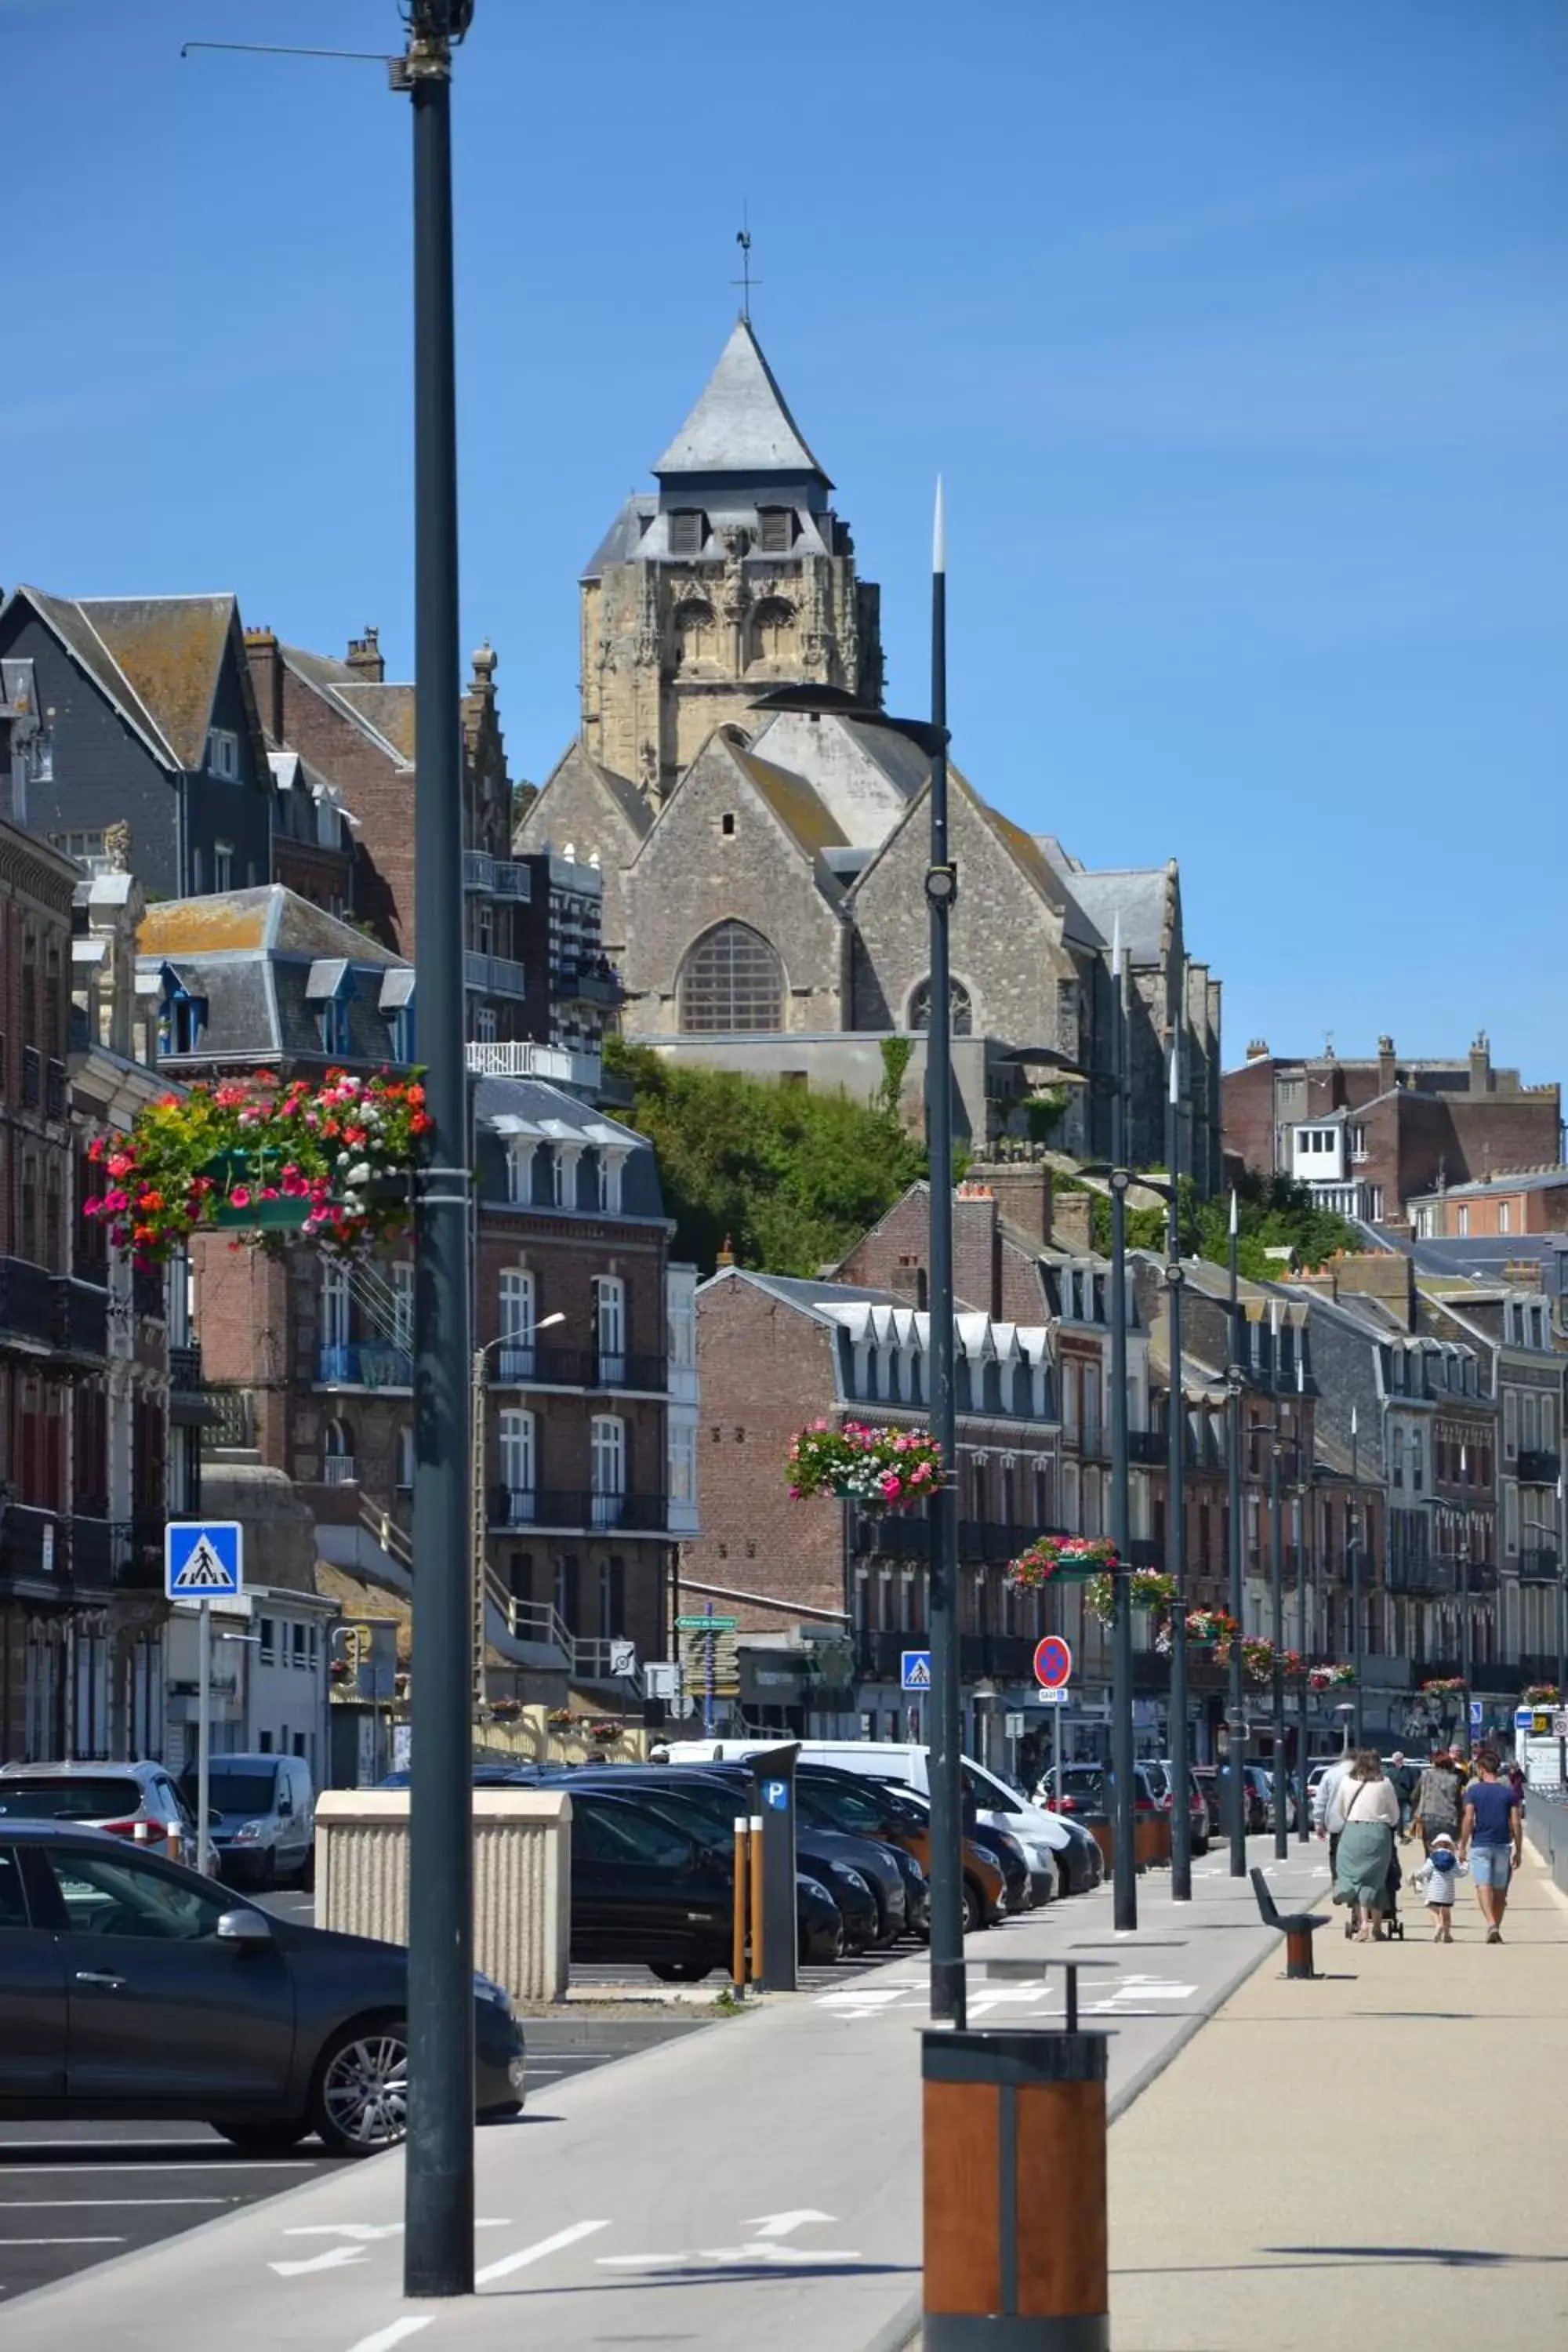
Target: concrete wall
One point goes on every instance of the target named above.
(523, 1879)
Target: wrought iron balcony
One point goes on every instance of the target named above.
(1537, 1564)
(497, 877)
(578, 1510)
(27, 1303)
(493, 975)
(365, 1364)
(81, 1318)
(185, 1367)
(32, 1543)
(524, 1364)
(1148, 1447)
(1537, 1467)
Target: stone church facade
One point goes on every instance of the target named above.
(762, 824)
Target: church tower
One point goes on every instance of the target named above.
(734, 576)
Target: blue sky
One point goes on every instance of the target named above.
(1238, 329)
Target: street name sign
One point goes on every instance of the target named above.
(707, 1624)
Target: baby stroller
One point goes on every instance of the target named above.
(1393, 1925)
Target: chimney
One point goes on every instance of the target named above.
(1071, 1221)
(1023, 1193)
(267, 680)
(1258, 1049)
(1482, 1065)
(365, 657)
(726, 1256)
(1387, 1067)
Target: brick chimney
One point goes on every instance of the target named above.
(1482, 1065)
(1258, 1049)
(266, 679)
(976, 1249)
(1072, 1226)
(365, 657)
(1385, 1275)
(1023, 1193)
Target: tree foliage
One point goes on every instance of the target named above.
(792, 1178)
(1271, 1212)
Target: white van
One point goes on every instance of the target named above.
(1041, 1835)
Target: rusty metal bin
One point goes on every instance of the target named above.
(1016, 2256)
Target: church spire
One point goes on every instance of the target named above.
(742, 423)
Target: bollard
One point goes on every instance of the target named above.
(754, 1876)
(741, 1905)
(138, 1833)
(1015, 2251)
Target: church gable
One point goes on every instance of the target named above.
(1010, 956)
(731, 904)
(581, 804)
(865, 774)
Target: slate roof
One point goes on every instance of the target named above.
(740, 424)
(268, 918)
(1138, 895)
(1528, 1179)
(385, 712)
(794, 803)
(251, 955)
(155, 658)
(625, 535)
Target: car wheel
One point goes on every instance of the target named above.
(680, 1971)
(262, 2138)
(359, 2103)
(974, 1907)
(1200, 1845)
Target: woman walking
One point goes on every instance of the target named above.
(1437, 1809)
(1366, 1844)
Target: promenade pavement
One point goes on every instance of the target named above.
(754, 2184)
(1372, 2158)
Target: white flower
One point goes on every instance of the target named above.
(359, 1172)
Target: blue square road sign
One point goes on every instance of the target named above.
(917, 1670)
(203, 1560)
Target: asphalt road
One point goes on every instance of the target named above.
(72, 2194)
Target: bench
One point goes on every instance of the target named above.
(1297, 1927)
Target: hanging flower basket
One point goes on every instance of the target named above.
(1207, 1629)
(879, 1469)
(1146, 1588)
(1258, 1660)
(1542, 1695)
(1062, 1560)
(1333, 1677)
(1293, 1666)
(1443, 1686)
(329, 1160)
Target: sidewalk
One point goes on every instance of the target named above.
(757, 2183)
(1352, 2161)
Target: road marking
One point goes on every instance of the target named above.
(779, 2225)
(8, 2244)
(385, 2337)
(98, 2204)
(763, 2251)
(520, 2261)
(262, 2164)
(334, 2259)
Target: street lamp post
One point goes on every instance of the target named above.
(1276, 1549)
(1175, 1505)
(1353, 1539)
(1125, 1859)
(1303, 1643)
(439, 2206)
(477, 1511)
(1466, 1642)
(1236, 1724)
(948, 1998)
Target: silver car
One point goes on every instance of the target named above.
(137, 1802)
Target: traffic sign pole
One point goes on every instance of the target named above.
(203, 1730)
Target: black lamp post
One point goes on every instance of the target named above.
(1353, 1542)
(1277, 1596)
(438, 2237)
(1124, 1892)
(1175, 1506)
(1235, 1726)
(1303, 1643)
(1466, 1642)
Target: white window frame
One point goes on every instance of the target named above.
(610, 1323)
(520, 1154)
(403, 1305)
(682, 1462)
(608, 1468)
(516, 1441)
(223, 754)
(223, 866)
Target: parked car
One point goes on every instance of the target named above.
(1030, 1874)
(265, 1828)
(1086, 1790)
(1214, 1782)
(133, 1989)
(820, 1924)
(813, 1806)
(1080, 1859)
(646, 1893)
(1163, 1773)
(873, 1809)
(1261, 1776)
(709, 1798)
(139, 1802)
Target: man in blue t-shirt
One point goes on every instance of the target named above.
(1491, 1839)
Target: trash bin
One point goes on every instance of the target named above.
(1016, 2257)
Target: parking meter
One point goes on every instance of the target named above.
(773, 1784)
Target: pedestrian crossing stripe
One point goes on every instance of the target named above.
(201, 1561)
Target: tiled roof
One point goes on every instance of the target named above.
(170, 649)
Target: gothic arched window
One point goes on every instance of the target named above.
(774, 634)
(963, 1012)
(696, 633)
(731, 980)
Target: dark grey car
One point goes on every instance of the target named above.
(131, 1987)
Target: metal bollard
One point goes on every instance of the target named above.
(1016, 2251)
(742, 1904)
(754, 1840)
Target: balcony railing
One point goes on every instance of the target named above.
(578, 1510)
(499, 877)
(524, 1057)
(992, 1540)
(493, 975)
(185, 1367)
(340, 1470)
(27, 1302)
(98, 1547)
(1148, 1447)
(365, 1364)
(586, 984)
(31, 1542)
(1537, 1564)
(521, 1364)
(1537, 1467)
(81, 1317)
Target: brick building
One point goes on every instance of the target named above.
(1367, 1138)
(1504, 1208)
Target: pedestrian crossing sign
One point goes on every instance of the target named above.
(203, 1560)
(917, 1670)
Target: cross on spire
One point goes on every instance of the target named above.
(743, 240)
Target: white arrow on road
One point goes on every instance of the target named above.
(361, 2234)
(764, 2249)
(333, 2259)
(779, 2225)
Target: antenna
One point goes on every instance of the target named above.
(745, 281)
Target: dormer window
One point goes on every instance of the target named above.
(223, 754)
(182, 1017)
(687, 530)
(775, 530)
(329, 991)
(397, 1011)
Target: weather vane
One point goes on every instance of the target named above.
(743, 240)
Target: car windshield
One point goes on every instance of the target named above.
(840, 1803)
(55, 1798)
(244, 1791)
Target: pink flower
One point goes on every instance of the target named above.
(890, 1483)
(116, 1200)
(240, 1196)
